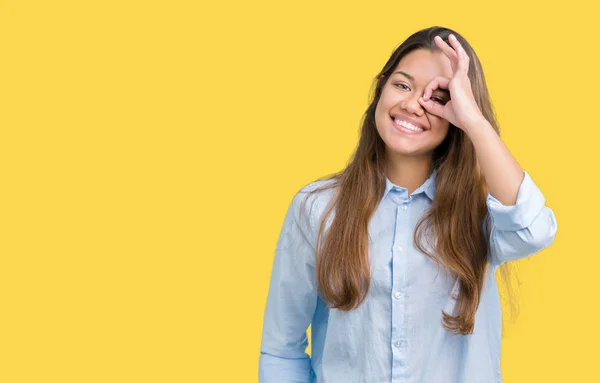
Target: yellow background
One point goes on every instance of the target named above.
(149, 150)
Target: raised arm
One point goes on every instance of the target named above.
(522, 229)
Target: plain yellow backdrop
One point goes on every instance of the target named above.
(150, 149)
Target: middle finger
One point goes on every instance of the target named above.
(448, 51)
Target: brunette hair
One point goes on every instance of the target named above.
(456, 218)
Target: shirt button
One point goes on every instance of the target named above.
(398, 344)
(397, 294)
(398, 248)
(403, 207)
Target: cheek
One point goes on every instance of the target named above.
(439, 123)
(378, 109)
(380, 113)
(387, 99)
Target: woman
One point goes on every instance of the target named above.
(393, 260)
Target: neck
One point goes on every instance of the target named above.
(408, 172)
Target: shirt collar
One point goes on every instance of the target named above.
(428, 187)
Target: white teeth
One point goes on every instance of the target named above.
(407, 125)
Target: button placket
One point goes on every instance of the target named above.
(405, 203)
(400, 247)
(399, 344)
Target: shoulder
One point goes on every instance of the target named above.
(322, 187)
(319, 191)
(313, 198)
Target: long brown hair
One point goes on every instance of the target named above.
(456, 218)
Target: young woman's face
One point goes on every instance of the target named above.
(399, 102)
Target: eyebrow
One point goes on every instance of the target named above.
(411, 78)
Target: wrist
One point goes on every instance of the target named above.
(476, 125)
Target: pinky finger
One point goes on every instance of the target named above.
(464, 59)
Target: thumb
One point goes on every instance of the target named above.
(432, 107)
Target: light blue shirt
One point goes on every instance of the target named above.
(396, 334)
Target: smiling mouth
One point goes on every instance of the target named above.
(406, 128)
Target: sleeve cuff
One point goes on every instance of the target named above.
(273, 369)
(530, 202)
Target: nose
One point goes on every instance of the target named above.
(411, 104)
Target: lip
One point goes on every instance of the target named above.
(403, 129)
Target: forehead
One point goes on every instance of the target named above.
(424, 65)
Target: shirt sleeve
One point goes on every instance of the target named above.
(522, 229)
(291, 301)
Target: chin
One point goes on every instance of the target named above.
(409, 151)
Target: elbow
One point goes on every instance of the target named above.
(541, 234)
(546, 233)
(515, 245)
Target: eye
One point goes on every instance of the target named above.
(438, 100)
(402, 85)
